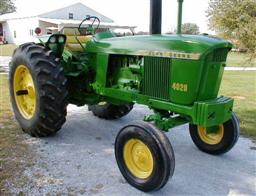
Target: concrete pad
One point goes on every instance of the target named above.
(80, 160)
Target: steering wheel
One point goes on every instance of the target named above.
(90, 28)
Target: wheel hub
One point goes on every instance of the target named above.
(24, 91)
(211, 137)
(138, 158)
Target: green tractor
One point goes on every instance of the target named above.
(177, 76)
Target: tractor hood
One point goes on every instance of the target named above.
(158, 45)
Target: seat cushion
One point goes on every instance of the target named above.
(72, 39)
(73, 44)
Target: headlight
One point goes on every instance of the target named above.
(52, 40)
(61, 39)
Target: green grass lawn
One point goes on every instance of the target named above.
(7, 49)
(241, 85)
(236, 59)
(14, 153)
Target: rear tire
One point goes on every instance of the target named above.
(144, 156)
(211, 143)
(109, 111)
(49, 90)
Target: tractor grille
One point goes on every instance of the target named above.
(220, 55)
(157, 72)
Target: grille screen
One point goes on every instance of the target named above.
(157, 72)
(220, 55)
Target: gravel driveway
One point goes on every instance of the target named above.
(80, 160)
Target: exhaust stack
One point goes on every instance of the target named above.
(179, 23)
(155, 17)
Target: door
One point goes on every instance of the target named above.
(1, 29)
(1, 33)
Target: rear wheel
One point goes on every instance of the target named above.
(109, 111)
(144, 156)
(216, 140)
(38, 90)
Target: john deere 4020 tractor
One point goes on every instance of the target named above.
(177, 76)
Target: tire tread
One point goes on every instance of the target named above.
(52, 88)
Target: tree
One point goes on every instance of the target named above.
(234, 20)
(7, 6)
(190, 28)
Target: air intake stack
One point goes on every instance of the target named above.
(156, 17)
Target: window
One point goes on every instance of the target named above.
(31, 32)
(70, 16)
(15, 34)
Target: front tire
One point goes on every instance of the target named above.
(217, 142)
(144, 156)
(38, 90)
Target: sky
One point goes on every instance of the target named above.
(128, 12)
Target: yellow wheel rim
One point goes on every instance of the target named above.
(211, 138)
(138, 158)
(24, 92)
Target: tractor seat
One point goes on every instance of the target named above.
(72, 43)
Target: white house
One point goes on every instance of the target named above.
(16, 28)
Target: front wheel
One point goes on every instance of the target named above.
(218, 139)
(144, 156)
